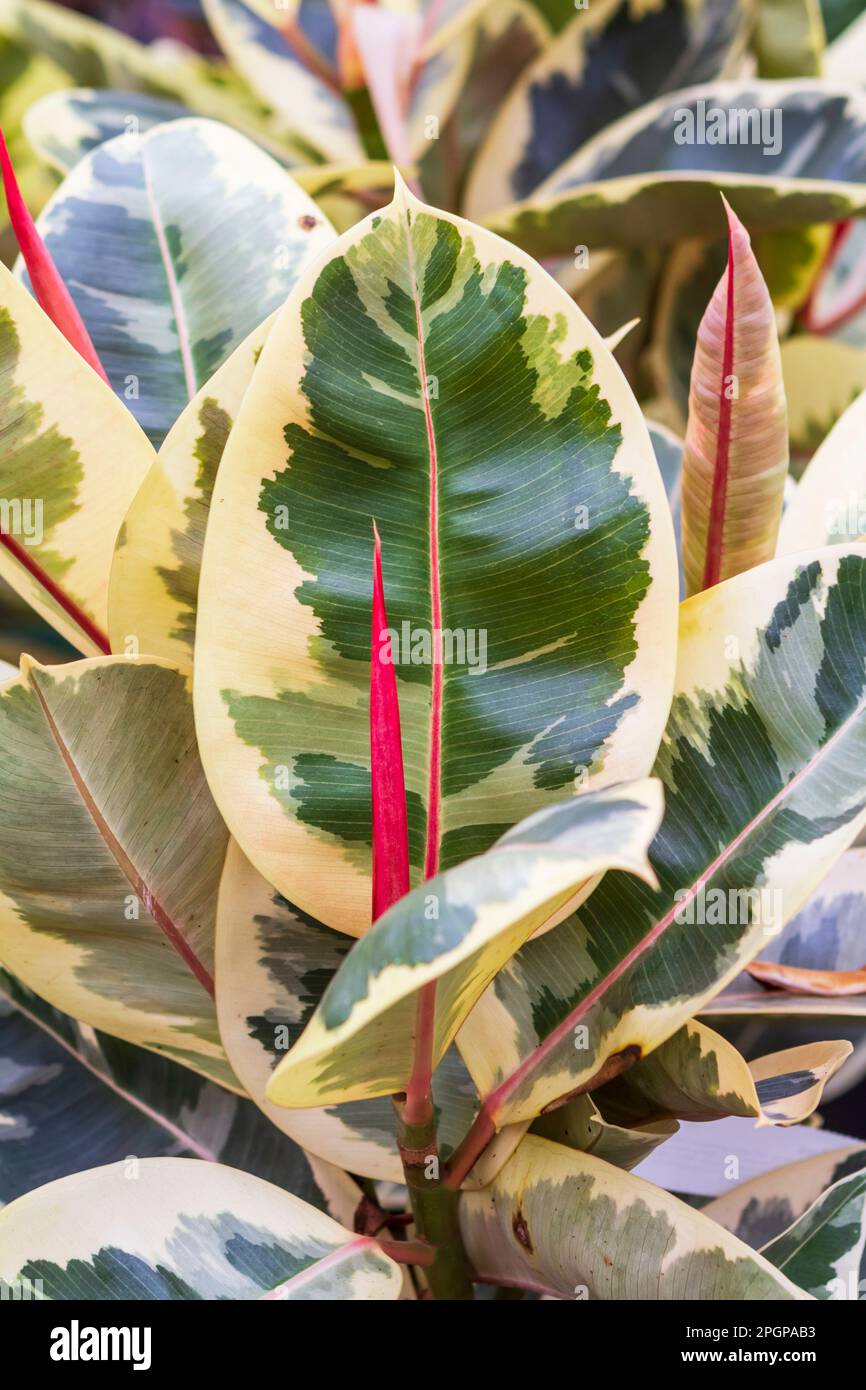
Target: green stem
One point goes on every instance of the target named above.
(434, 1207)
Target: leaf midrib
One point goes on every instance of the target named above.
(159, 914)
(548, 1044)
(180, 317)
(107, 1080)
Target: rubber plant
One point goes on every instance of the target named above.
(368, 839)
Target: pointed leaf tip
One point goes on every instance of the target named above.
(387, 784)
(49, 290)
(735, 459)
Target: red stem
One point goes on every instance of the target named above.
(408, 1252)
(69, 606)
(48, 288)
(308, 54)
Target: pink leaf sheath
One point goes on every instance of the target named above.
(51, 293)
(797, 980)
(390, 828)
(386, 44)
(736, 450)
(391, 834)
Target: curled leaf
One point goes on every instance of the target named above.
(795, 978)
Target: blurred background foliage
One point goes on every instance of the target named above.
(810, 270)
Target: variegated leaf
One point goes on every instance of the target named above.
(735, 459)
(72, 461)
(581, 1125)
(504, 37)
(668, 449)
(569, 1225)
(310, 107)
(760, 1210)
(823, 1250)
(98, 55)
(165, 290)
(837, 305)
(153, 596)
(655, 176)
(827, 935)
(846, 26)
(698, 1075)
(788, 40)
(614, 55)
(456, 931)
(273, 964)
(183, 1230)
(765, 786)
(28, 76)
(110, 853)
(430, 377)
(65, 126)
(829, 506)
(72, 1098)
(822, 379)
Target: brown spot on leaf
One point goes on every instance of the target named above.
(521, 1230)
(617, 1063)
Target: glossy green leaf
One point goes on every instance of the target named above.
(179, 1230)
(846, 24)
(838, 15)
